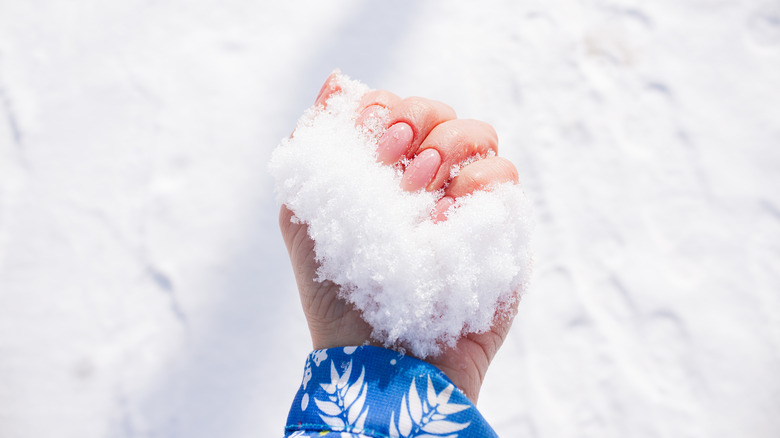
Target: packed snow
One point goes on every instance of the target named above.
(420, 284)
(145, 290)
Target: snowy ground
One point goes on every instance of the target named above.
(145, 291)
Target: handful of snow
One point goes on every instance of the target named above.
(420, 285)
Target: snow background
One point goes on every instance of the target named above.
(145, 290)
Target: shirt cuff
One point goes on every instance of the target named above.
(379, 393)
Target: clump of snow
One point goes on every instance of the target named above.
(420, 285)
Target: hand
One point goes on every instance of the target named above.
(428, 133)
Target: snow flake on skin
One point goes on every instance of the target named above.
(427, 417)
(343, 410)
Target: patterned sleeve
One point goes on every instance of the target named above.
(373, 392)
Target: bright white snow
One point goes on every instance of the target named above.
(419, 284)
(144, 287)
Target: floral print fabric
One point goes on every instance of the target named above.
(373, 392)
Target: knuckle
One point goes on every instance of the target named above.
(379, 97)
(484, 130)
(422, 109)
(416, 107)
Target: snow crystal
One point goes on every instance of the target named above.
(420, 285)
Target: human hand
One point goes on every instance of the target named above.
(428, 133)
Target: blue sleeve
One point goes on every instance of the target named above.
(373, 392)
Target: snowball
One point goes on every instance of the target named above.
(420, 285)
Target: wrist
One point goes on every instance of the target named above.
(357, 389)
(466, 371)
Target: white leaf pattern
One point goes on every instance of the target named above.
(415, 407)
(334, 375)
(444, 396)
(443, 426)
(329, 408)
(342, 383)
(318, 356)
(393, 427)
(306, 375)
(354, 390)
(335, 423)
(360, 423)
(452, 409)
(344, 402)
(357, 407)
(425, 435)
(404, 421)
(426, 417)
(344, 409)
(431, 393)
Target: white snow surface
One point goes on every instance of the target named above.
(420, 285)
(144, 287)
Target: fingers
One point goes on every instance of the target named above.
(455, 141)
(479, 175)
(410, 121)
(372, 105)
(330, 86)
(381, 98)
(427, 131)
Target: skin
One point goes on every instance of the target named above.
(433, 125)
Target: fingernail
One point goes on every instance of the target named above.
(439, 213)
(368, 113)
(421, 171)
(320, 100)
(328, 88)
(322, 90)
(394, 143)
